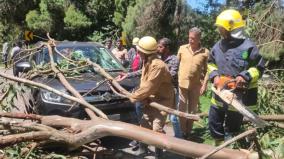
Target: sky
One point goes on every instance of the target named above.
(198, 4)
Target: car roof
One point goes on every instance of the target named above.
(77, 43)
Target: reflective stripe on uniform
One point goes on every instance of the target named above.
(211, 67)
(254, 74)
(253, 85)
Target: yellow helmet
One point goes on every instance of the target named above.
(135, 41)
(147, 45)
(230, 19)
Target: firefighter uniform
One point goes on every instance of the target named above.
(225, 60)
(155, 86)
(234, 57)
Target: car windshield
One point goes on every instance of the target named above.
(98, 55)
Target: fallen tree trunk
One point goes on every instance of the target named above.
(175, 112)
(67, 85)
(29, 136)
(234, 139)
(91, 130)
(274, 117)
(125, 93)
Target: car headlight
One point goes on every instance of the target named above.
(52, 97)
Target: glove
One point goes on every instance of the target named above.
(216, 82)
(241, 82)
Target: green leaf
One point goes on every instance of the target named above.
(280, 149)
(75, 19)
(265, 141)
(12, 152)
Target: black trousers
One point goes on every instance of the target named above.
(218, 123)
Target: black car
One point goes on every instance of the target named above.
(48, 103)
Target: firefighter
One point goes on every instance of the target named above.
(233, 57)
(155, 86)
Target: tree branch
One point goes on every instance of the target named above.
(126, 94)
(234, 139)
(94, 129)
(43, 86)
(68, 86)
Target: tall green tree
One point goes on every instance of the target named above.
(121, 10)
(101, 14)
(154, 18)
(73, 20)
(172, 19)
(12, 18)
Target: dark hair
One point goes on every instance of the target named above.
(119, 40)
(166, 42)
(108, 40)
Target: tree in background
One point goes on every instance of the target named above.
(133, 13)
(170, 19)
(12, 15)
(265, 25)
(96, 19)
(72, 20)
(121, 11)
(101, 14)
(64, 19)
(156, 18)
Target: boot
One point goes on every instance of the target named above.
(158, 153)
(142, 150)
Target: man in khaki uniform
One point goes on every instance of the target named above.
(156, 86)
(192, 71)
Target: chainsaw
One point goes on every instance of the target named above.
(226, 93)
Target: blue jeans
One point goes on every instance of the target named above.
(138, 110)
(175, 120)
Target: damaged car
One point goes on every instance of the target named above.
(86, 80)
